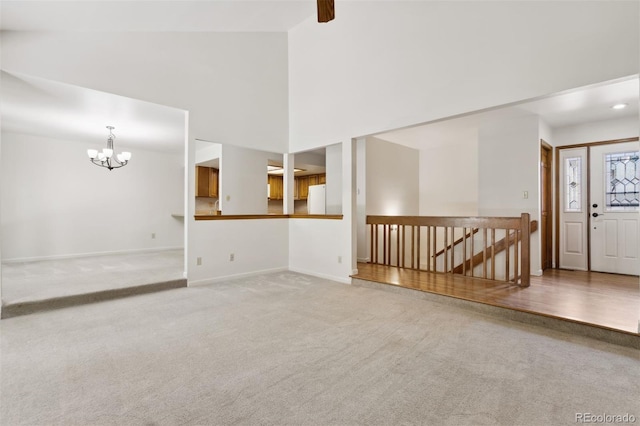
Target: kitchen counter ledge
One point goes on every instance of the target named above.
(268, 216)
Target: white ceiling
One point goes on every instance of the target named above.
(588, 104)
(46, 108)
(147, 15)
(38, 106)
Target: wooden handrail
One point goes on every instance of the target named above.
(516, 230)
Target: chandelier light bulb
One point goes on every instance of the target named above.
(92, 153)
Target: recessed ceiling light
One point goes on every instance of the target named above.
(619, 106)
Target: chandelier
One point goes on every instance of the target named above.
(105, 157)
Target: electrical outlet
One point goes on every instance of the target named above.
(339, 259)
(232, 257)
(199, 261)
(525, 194)
(153, 235)
(228, 198)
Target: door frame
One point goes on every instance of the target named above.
(556, 210)
(546, 191)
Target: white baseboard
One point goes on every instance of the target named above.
(90, 254)
(324, 276)
(364, 259)
(207, 281)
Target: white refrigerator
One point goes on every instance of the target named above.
(316, 199)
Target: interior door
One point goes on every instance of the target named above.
(614, 221)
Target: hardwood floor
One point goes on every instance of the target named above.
(603, 300)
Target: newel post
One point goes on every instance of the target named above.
(525, 253)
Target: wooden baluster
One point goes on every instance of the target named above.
(525, 226)
(428, 248)
(493, 253)
(484, 253)
(413, 232)
(446, 241)
(398, 245)
(464, 251)
(418, 249)
(507, 252)
(384, 244)
(371, 243)
(472, 251)
(516, 257)
(403, 244)
(389, 245)
(435, 246)
(376, 244)
(453, 239)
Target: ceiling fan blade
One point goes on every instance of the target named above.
(326, 10)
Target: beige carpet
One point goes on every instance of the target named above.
(288, 349)
(49, 279)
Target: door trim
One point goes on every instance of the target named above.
(548, 238)
(556, 211)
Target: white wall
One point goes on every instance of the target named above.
(508, 165)
(448, 178)
(243, 180)
(333, 161)
(385, 65)
(206, 151)
(315, 245)
(258, 245)
(361, 200)
(56, 203)
(597, 131)
(234, 85)
(392, 179)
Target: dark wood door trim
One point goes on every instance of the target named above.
(546, 204)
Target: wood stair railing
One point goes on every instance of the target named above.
(392, 244)
(488, 253)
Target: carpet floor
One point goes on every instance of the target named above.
(289, 349)
(49, 279)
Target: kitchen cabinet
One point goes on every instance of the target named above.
(206, 182)
(303, 187)
(302, 183)
(213, 183)
(276, 187)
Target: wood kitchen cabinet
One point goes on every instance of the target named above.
(303, 187)
(276, 187)
(302, 183)
(206, 182)
(213, 182)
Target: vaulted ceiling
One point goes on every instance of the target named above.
(149, 15)
(48, 108)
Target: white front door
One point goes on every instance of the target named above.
(615, 219)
